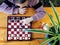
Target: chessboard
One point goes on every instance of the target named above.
(16, 29)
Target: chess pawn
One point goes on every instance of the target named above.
(45, 26)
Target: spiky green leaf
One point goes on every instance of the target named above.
(55, 12)
(40, 31)
(49, 40)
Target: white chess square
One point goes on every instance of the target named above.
(12, 23)
(9, 26)
(12, 29)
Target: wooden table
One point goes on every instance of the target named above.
(35, 25)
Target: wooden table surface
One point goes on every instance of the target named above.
(35, 25)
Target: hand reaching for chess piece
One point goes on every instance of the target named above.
(27, 20)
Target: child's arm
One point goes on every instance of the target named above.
(40, 11)
(40, 14)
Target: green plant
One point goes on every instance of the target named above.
(55, 2)
(54, 31)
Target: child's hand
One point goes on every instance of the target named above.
(27, 20)
(22, 10)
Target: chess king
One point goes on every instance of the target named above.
(20, 7)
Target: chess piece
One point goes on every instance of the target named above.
(45, 26)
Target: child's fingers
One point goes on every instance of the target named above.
(24, 8)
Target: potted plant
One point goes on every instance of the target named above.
(53, 32)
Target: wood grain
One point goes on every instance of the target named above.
(35, 25)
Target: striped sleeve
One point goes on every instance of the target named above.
(39, 9)
(40, 14)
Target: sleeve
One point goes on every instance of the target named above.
(5, 9)
(40, 13)
(39, 9)
(11, 9)
(11, 1)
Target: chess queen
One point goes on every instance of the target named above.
(20, 6)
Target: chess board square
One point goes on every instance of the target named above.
(16, 29)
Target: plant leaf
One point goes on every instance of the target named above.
(51, 18)
(53, 22)
(59, 36)
(54, 42)
(55, 12)
(49, 40)
(40, 31)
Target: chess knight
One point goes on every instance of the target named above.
(20, 7)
